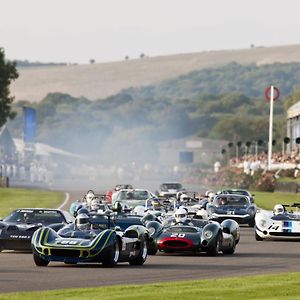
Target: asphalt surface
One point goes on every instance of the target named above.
(19, 273)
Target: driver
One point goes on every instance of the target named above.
(82, 222)
(278, 209)
(223, 201)
(181, 217)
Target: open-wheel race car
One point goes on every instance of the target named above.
(278, 224)
(203, 236)
(108, 246)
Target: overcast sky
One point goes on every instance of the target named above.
(108, 30)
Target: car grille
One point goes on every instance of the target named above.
(177, 244)
(65, 252)
(285, 233)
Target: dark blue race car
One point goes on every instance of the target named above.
(231, 206)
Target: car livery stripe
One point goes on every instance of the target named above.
(104, 245)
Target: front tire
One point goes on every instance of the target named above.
(214, 250)
(40, 262)
(142, 256)
(112, 256)
(251, 223)
(258, 238)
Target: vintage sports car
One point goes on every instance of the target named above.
(237, 192)
(133, 198)
(278, 224)
(231, 206)
(17, 228)
(203, 236)
(169, 189)
(101, 246)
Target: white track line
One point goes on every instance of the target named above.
(67, 197)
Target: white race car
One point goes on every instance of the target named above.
(274, 225)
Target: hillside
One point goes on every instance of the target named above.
(100, 80)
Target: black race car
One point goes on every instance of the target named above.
(17, 228)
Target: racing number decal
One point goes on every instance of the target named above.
(180, 235)
(67, 242)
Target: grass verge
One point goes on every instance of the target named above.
(13, 198)
(267, 200)
(278, 286)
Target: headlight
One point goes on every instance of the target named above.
(151, 230)
(208, 234)
(262, 223)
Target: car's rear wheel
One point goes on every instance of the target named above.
(251, 223)
(112, 256)
(142, 256)
(40, 262)
(231, 249)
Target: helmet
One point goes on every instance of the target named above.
(82, 210)
(89, 196)
(278, 209)
(139, 210)
(181, 215)
(211, 196)
(95, 204)
(184, 198)
(207, 193)
(82, 222)
(178, 195)
(117, 206)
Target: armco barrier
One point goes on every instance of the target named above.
(288, 187)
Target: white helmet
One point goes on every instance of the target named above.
(278, 209)
(95, 204)
(184, 198)
(139, 210)
(181, 215)
(82, 222)
(89, 197)
(211, 196)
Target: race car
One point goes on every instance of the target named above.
(17, 228)
(169, 189)
(203, 236)
(100, 246)
(132, 198)
(237, 192)
(278, 224)
(231, 206)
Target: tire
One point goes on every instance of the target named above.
(152, 249)
(112, 256)
(142, 256)
(214, 250)
(258, 238)
(251, 223)
(230, 250)
(40, 262)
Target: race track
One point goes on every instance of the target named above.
(19, 273)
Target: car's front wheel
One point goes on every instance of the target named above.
(258, 238)
(214, 249)
(40, 262)
(231, 249)
(112, 256)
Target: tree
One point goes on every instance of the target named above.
(8, 73)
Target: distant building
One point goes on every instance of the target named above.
(190, 151)
(293, 125)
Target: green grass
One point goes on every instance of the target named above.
(12, 198)
(267, 200)
(278, 286)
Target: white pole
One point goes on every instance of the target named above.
(270, 127)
